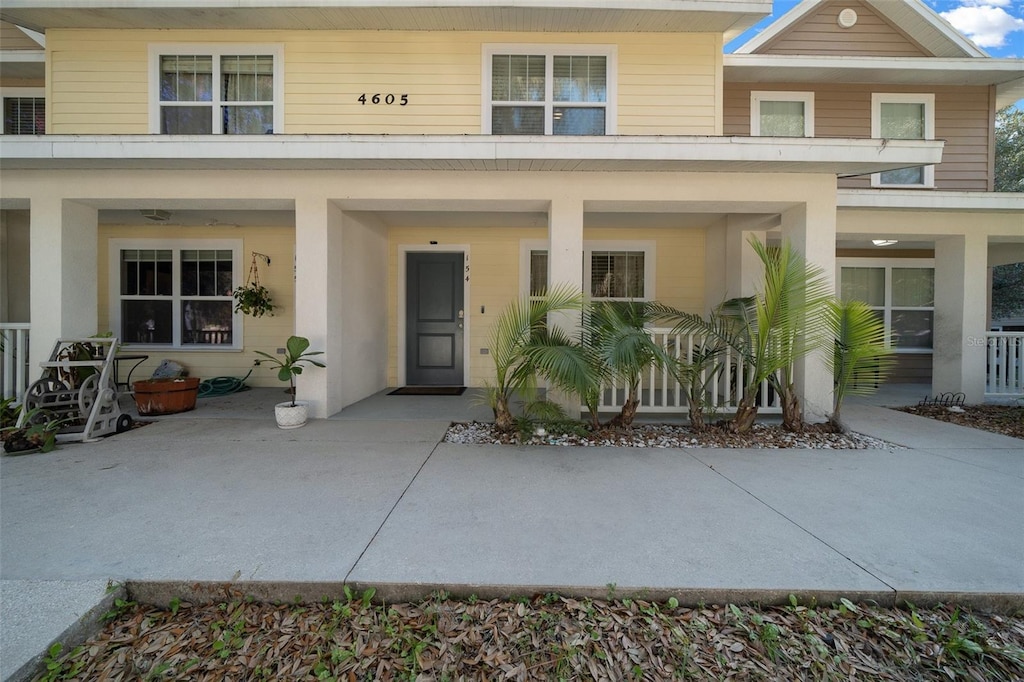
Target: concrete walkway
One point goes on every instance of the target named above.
(221, 496)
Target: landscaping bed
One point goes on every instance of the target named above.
(547, 637)
(666, 436)
(1005, 419)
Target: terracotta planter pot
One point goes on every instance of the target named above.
(166, 396)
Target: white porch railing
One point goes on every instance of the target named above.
(1005, 366)
(661, 393)
(14, 376)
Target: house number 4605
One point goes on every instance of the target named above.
(400, 100)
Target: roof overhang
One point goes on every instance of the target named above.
(918, 20)
(917, 200)
(728, 17)
(843, 156)
(1006, 74)
(23, 64)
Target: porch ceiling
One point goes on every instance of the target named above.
(729, 17)
(838, 156)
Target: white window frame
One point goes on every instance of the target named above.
(549, 51)
(887, 307)
(648, 247)
(176, 246)
(14, 93)
(758, 96)
(928, 100)
(215, 51)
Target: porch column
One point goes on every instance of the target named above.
(63, 283)
(317, 301)
(565, 267)
(744, 270)
(958, 363)
(811, 230)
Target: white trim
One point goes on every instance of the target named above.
(526, 246)
(847, 156)
(215, 50)
(758, 96)
(35, 36)
(37, 93)
(114, 248)
(887, 264)
(937, 200)
(403, 251)
(647, 246)
(795, 14)
(928, 100)
(548, 51)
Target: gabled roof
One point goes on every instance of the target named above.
(914, 17)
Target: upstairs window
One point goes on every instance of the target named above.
(903, 117)
(549, 91)
(24, 115)
(217, 92)
(781, 114)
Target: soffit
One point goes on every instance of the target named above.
(729, 17)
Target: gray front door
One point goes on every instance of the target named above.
(434, 319)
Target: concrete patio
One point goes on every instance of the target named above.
(220, 496)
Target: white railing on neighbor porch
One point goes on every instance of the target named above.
(14, 376)
(1005, 371)
(661, 393)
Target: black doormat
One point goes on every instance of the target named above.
(429, 390)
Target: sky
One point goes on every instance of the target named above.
(996, 26)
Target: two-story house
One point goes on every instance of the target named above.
(408, 168)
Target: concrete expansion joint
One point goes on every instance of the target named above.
(798, 525)
(392, 510)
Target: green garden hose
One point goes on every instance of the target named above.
(222, 386)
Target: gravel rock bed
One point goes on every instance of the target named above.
(673, 436)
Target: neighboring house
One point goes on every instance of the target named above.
(410, 168)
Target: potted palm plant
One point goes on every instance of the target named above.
(292, 414)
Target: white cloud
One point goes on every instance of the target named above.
(984, 22)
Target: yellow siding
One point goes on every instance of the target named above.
(99, 84)
(266, 333)
(494, 277)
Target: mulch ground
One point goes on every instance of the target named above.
(544, 638)
(1005, 419)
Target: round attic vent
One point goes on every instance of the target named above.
(847, 18)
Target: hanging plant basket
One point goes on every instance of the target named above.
(253, 298)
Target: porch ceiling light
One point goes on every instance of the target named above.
(155, 214)
(885, 242)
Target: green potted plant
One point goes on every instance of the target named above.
(37, 432)
(254, 300)
(292, 414)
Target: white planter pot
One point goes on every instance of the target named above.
(289, 417)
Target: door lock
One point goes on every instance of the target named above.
(462, 314)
